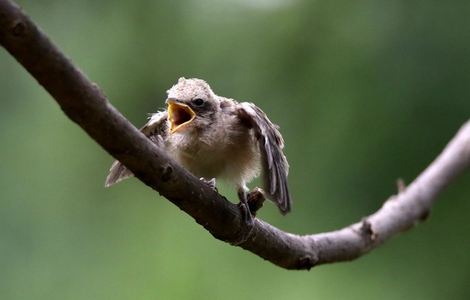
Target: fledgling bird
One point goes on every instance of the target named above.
(217, 137)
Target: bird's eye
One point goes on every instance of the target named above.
(198, 102)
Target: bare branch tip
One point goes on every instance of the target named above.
(401, 186)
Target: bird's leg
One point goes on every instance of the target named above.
(211, 183)
(255, 200)
(244, 206)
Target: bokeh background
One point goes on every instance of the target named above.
(365, 92)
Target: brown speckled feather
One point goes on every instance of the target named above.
(274, 163)
(217, 137)
(155, 127)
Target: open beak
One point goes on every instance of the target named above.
(179, 115)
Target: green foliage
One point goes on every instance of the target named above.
(365, 92)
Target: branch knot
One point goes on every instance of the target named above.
(18, 28)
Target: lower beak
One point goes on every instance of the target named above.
(179, 115)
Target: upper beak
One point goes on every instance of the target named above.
(179, 114)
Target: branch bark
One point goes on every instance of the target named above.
(84, 103)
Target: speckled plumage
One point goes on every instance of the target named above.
(225, 140)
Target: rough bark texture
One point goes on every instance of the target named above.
(84, 103)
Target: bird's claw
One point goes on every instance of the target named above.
(211, 183)
(247, 216)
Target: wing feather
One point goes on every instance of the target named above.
(275, 167)
(155, 129)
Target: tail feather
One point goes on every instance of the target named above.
(117, 173)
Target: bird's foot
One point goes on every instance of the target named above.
(211, 183)
(248, 218)
(245, 208)
(255, 200)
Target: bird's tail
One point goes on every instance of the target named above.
(117, 172)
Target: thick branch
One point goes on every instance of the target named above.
(84, 103)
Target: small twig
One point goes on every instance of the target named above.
(256, 200)
(401, 186)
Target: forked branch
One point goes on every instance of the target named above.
(84, 103)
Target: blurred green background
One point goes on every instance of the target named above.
(365, 92)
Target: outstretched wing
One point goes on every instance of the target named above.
(155, 130)
(274, 163)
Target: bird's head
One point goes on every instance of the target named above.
(191, 104)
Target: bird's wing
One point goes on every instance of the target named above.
(155, 129)
(274, 163)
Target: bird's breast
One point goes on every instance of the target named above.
(223, 154)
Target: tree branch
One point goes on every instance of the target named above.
(84, 103)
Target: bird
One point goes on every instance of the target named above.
(215, 137)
